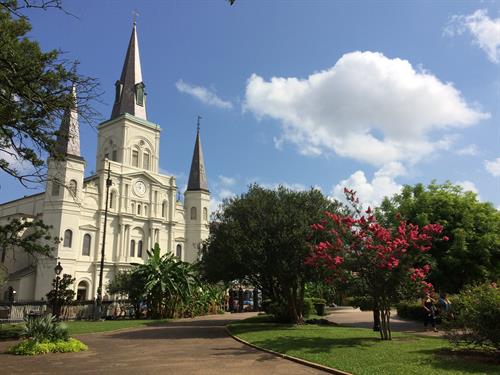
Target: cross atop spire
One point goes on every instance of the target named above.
(68, 139)
(197, 177)
(198, 124)
(130, 96)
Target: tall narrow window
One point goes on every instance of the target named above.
(139, 94)
(68, 238)
(112, 199)
(135, 158)
(193, 213)
(55, 188)
(114, 155)
(164, 209)
(86, 244)
(139, 249)
(178, 251)
(73, 187)
(132, 248)
(145, 160)
(145, 210)
(205, 214)
(139, 209)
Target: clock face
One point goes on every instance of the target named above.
(140, 187)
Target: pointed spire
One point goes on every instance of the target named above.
(197, 177)
(130, 96)
(68, 139)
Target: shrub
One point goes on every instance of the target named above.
(44, 328)
(410, 310)
(475, 317)
(364, 303)
(31, 347)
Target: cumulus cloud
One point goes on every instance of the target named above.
(468, 150)
(202, 94)
(367, 107)
(468, 186)
(371, 193)
(493, 166)
(485, 31)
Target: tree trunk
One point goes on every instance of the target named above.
(385, 327)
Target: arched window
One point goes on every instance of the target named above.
(86, 244)
(73, 187)
(139, 94)
(81, 291)
(205, 214)
(145, 210)
(145, 160)
(132, 248)
(139, 248)
(55, 188)
(178, 251)
(68, 238)
(135, 158)
(114, 155)
(193, 213)
(139, 209)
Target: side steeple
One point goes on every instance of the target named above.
(68, 139)
(197, 177)
(130, 96)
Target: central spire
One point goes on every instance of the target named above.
(130, 96)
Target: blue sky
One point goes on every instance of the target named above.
(372, 95)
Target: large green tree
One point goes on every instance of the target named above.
(260, 237)
(35, 90)
(473, 252)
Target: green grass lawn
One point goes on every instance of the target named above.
(12, 331)
(360, 351)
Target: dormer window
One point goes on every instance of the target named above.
(139, 94)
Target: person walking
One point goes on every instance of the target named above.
(429, 312)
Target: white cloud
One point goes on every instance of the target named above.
(493, 166)
(468, 150)
(372, 193)
(468, 186)
(227, 181)
(202, 94)
(485, 31)
(367, 107)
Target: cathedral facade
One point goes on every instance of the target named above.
(143, 205)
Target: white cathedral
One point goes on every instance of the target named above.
(143, 208)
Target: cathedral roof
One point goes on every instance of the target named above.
(197, 177)
(130, 96)
(68, 139)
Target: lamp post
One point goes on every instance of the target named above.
(55, 304)
(97, 312)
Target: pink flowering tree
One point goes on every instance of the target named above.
(379, 261)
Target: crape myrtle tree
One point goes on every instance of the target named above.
(260, 238)
(473, 253)
(380, 262)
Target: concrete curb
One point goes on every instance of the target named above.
(317, 366)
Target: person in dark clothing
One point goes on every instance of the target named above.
(429, 312)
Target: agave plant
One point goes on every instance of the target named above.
(44, 328)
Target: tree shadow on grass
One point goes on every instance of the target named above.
(313, 345)
(464, 361)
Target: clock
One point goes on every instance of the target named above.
(140, 187)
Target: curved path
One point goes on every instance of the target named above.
(188, 346)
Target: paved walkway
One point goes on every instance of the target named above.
(357, 318)
(188, 346)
